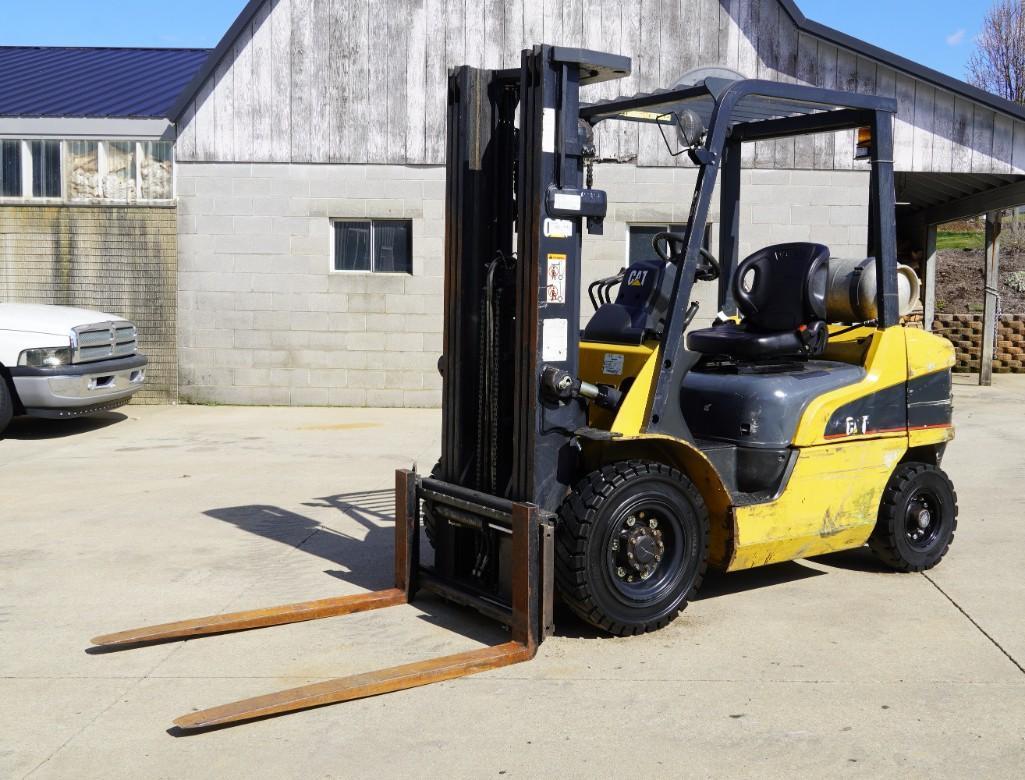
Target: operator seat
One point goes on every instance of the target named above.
(781, 294)
(639, 310)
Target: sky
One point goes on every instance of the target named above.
(936, 33)
(939, 34)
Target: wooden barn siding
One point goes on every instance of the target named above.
(363, 81)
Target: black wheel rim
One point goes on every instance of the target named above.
(645, 548)
(923, 519)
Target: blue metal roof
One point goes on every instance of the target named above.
(45, 81)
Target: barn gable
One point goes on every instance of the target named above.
(363, 81)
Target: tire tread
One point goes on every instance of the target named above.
(577, 517)
(883, 542)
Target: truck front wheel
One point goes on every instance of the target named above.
(632, 546)
(6, 403)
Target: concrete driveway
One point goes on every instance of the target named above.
(822, 667)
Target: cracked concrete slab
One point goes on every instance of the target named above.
(829, 665)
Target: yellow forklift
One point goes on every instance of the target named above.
(614, 465)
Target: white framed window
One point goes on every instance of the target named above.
(11, 173)
(30, 169)
(638, 244)
(45, 160)
(82, 160)
(79, 170)
(382, 246)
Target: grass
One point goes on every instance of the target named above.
(946, 239)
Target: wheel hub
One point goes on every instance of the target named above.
(924, 518)
(638, 548)
(921, 522)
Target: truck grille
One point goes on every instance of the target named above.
(102, 341)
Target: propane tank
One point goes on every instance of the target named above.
(851, 291)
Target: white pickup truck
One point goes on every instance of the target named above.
(59, 361)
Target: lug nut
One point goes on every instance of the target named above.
(631, 521)
(615, 545)
(620, 572)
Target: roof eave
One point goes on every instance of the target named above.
(934, 77)
(227, 41)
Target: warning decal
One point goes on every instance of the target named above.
(612, 364)
(555, 279)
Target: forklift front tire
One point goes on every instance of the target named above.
(917, 518)
(632, 546)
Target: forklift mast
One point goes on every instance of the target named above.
(516, 205)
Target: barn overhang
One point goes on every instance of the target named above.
(935, 198)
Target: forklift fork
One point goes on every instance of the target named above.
(528, 614)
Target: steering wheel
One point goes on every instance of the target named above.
(708, 271)
(663, 244)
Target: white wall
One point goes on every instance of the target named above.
(263, 320)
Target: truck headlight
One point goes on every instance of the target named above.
(45, 357)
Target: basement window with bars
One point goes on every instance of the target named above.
(382, 246)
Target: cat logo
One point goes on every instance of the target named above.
(856, 425)
(636, 278)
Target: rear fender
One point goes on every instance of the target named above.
(691, 461)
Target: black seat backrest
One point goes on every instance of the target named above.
(640, 305)
(782, 287)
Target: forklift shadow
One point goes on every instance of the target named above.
(366, 561)
(716, 585)
(369, 561)
(860, 559)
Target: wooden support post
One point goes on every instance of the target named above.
(992, 301)
(929, 278)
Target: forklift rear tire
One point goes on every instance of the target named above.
(632, 546)
(917, 518)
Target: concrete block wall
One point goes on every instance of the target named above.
(119, 260)
(264, 320)
(828, 207)
(964, 331)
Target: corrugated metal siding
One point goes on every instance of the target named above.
(94, 82)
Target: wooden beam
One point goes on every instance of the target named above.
(929, 259)
(992, 302)
(1006, 197)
